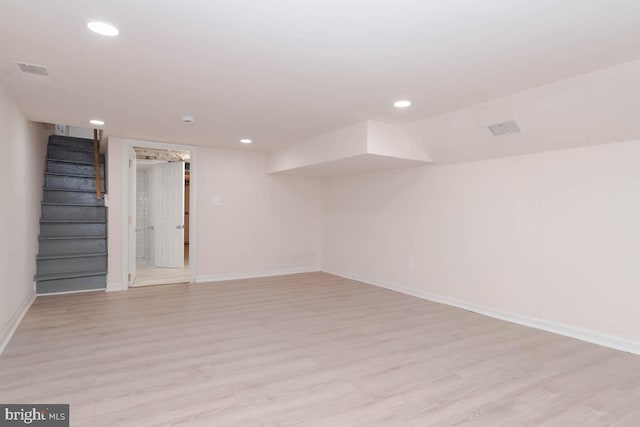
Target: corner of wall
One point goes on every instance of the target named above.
(11, 326)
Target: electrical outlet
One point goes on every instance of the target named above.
(216, 201)
(410, 264)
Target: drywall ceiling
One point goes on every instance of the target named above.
(594, 108)
(279, 71)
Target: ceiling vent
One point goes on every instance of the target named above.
(36, 70)
(504, 128)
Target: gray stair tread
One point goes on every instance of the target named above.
(59, 151)
(84, 255)
(73, 175)
(70, 138)
(56, 276)
(77, 205)
(81, 162)
(71, 237)
(71, 161)
(73, 148)
(73, 221)
(69, 189)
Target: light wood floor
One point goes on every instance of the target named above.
(305, 350)
(149, 275)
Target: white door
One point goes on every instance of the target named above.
(168, 215)
(132, 215)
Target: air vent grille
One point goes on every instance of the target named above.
(37, 70)
(504, 128)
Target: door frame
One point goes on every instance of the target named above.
(129, 144)
(132, 186)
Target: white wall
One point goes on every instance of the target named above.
(22, 177)
(266, 223)
(552, 236)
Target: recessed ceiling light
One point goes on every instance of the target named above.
(188, 119)
(96, 122)
(103, 28)
(246, 141)
(402, 104)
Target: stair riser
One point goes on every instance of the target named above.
(58, 153)
(73, 168)
(72, 144)
(70, 285)
(89, 213)
(62, 230)
(72, 247)
(72, 265)
(72, 197)
(71, 182)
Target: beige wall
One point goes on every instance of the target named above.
(553, 236)
(266, 224)
(280, 217)
(22, 175)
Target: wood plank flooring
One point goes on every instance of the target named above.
(150, 276)
(147, 275)
(305, 350)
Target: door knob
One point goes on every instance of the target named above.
(179, 227)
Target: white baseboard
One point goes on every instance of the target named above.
(115, 287)
(71, 292)
(254, 275)
(15, 320)
(617, 343)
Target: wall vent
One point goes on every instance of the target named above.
(37, 70)
(504, 128)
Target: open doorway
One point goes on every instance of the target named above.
(159, 198)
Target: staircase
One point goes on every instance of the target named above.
(73, 233)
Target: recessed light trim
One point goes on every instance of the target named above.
(96, 122)
(403, 103)
(246, 141)
(103, 28)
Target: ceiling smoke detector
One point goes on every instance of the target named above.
(36, 70)
(188, 119)
(504, 128)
